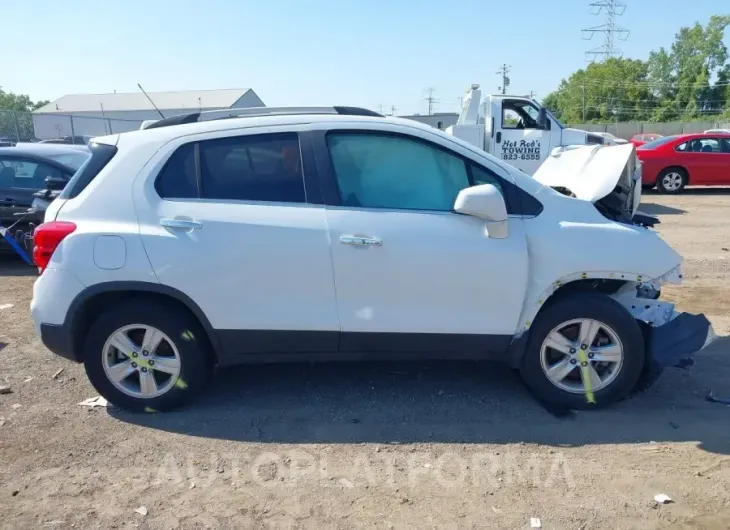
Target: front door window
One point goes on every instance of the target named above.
(380, 171)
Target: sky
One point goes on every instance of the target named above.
(376, 54)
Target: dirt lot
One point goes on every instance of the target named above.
(437, 445)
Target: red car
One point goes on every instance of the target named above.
(673, 162)
(643, 138)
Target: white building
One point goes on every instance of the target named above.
(440, 120)
(99, 114)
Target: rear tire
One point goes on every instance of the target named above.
(180, 369)
(672, 180)
(616, 330)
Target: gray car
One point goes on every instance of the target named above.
(24, 169)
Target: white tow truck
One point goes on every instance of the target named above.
(516, 129)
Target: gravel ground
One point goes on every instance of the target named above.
(422, 445)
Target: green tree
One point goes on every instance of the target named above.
(614, 90)
(18, 102)
(690, 80)
(681, 78)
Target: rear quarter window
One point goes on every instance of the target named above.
(177, 180)
(101, 154)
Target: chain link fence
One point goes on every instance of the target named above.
(628, 129)
(16, 127)
(31, 127)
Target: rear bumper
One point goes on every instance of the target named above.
(59, 339)
(53, 293)
(677, 341)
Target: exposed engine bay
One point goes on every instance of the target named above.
(608, 176)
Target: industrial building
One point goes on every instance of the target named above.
(99, 114)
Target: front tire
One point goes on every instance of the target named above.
(672, 180)
(584, 344)
(145, 356)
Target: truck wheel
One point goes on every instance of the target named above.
(671, 180)
(145, 356)
(584, 351)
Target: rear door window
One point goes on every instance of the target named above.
(705, 145)
(265, 167)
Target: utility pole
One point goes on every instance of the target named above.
(431, 100)
(392, 110)
(532, 94)
(380, 108)
(583, 88)
(505, 80)
(610, 30)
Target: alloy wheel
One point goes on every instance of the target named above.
(579, 341)
(141, 361)
(672, 181)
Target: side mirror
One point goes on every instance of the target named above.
(542, 120)
(485, 202)
(55, 183)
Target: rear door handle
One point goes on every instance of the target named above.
(181, 224)
(361, 241)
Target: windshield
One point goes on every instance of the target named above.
(657, 142)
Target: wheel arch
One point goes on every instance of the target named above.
(676, 167)
(89, 304)
(598, 282)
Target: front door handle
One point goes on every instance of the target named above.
(361, 241)
(498, 139)
(181, 224)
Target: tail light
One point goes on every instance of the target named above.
(46, 239)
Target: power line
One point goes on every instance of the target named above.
(653, 84)
(431, 100)
(634, 111)
(610, 30)
(643, 84)
(505, 80)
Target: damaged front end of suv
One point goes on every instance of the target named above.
(609, 177)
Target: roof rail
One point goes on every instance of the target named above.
(258, 111)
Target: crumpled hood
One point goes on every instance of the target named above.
(606, 173)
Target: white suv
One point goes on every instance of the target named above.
(268, 235)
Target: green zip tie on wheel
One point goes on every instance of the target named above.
(585, 376)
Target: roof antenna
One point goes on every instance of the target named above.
(153, 103)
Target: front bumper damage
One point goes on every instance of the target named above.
(672, 337)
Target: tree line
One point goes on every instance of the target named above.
(18, 102)
(689, 81)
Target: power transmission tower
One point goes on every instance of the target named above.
(611, 9)
(505, 80)
(431, 100)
